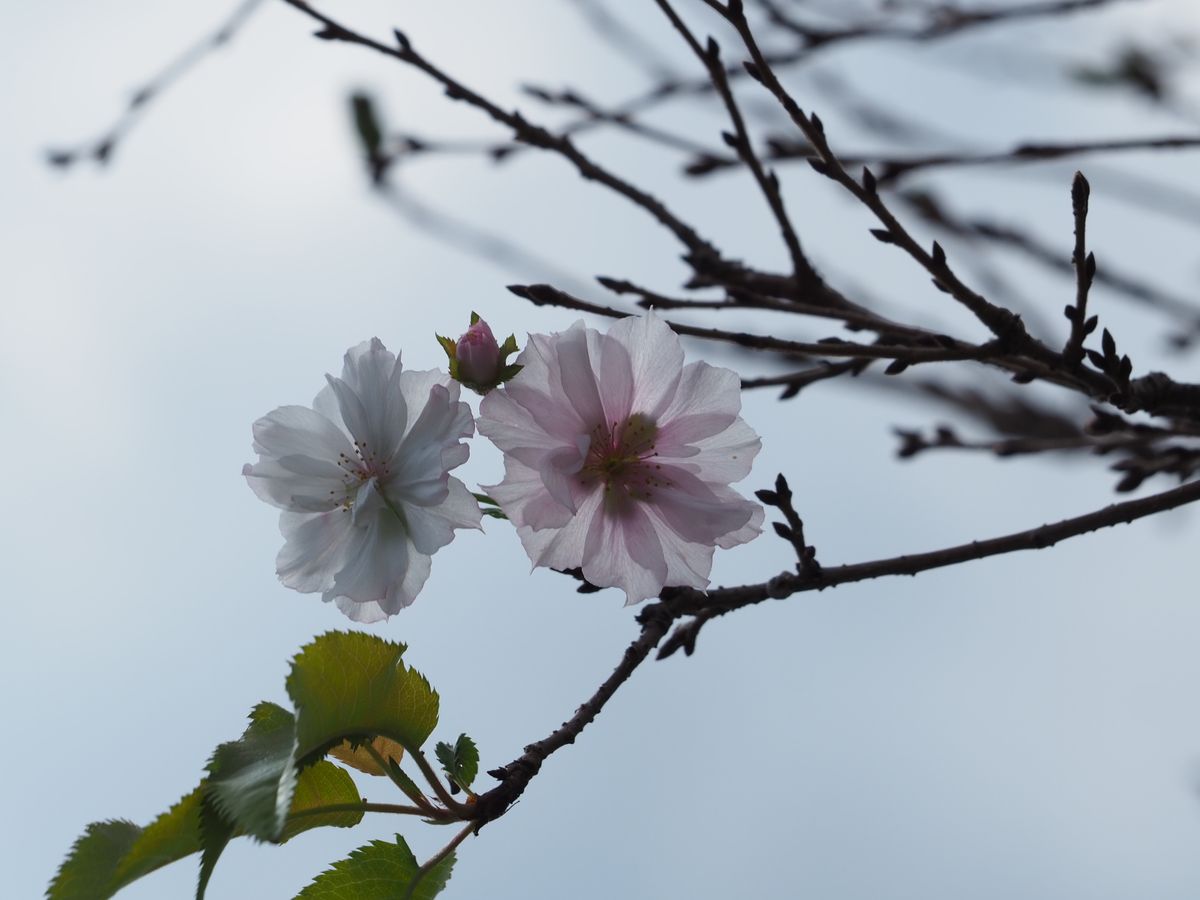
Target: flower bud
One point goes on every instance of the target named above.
(477, 361)
(478, 355)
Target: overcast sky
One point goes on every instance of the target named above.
(1018, 727)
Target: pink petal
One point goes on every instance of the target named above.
(523, 497)
(726, 456)
(578, 377)
(696, 511)
(656, 361)
(624, 551)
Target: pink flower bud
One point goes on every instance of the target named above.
(478, 355)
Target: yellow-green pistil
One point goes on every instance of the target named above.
(621, 455)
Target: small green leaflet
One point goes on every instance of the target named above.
(490, 506)
(461, 761)
(379, 871)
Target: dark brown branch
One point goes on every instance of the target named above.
(853, 316)
(724, 600)
(943, 349)
(515, 776)
(656, 618)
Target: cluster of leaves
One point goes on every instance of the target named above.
(354, 700)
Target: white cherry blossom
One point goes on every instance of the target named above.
(363, 481)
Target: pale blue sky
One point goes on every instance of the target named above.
(1024, 726)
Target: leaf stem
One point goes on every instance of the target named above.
(443, 794)
(405, 787)
(365, 806)
(430, 863)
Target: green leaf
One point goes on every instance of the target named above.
(347, 685)
(251, 780)
(379, 871)
(474, 317)
(92, 863)
(509, 346)
(461, 761)
(215, 833)
(322, 784)
(111, 854)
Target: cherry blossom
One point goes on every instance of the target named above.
(363, 481)
(618, 457)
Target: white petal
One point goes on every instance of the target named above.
(354, 414)
(402, 596)
(416, 385)
(461, 508)
(377, 560)
(418, 471)
(373, 373)
(363, 613)
(281, 487)
(299, 431)
(314, 550)
(431, 528)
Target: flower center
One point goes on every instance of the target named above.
(359, 469)
(620, 455)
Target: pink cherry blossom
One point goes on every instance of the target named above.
(363, 481)
(618, 457)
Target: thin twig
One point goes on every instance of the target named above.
(102, 148)
(1085, 271)
(701, 252)
(806, 276)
